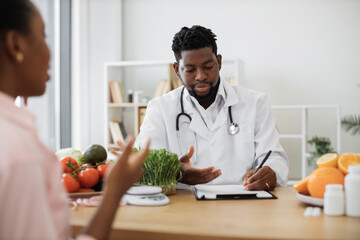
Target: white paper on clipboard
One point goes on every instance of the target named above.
(214, 191)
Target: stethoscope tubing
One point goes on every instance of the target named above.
(183, 113)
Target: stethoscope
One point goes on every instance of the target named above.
(233, 128)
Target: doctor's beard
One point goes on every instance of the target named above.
(212, 92)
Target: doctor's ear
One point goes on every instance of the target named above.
(219, 58)
(176, 68)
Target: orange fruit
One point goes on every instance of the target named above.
(320, 177)
(327, 160)
(301, 186)
(347, 159)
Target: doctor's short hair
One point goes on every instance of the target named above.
(193, 38)
(15, 15)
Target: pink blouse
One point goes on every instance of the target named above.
(32, 199)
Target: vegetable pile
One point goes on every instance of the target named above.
(161, 168)
(83, 172)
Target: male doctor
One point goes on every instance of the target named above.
(222, 132)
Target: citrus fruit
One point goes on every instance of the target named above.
(327, 160)
(301, 186)
(347, 159)
(320, 177)
(94, 154)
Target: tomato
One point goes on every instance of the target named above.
(88, 177)
(70, 184)
(68, 165)
(102, 169)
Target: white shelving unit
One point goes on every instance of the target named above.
(304, 129)
(108, 66)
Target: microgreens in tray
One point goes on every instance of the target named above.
(161, 168)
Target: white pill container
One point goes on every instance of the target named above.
(334, 200)
(352, 191)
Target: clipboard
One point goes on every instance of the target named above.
(228, 192)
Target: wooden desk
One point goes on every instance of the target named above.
(187, 218)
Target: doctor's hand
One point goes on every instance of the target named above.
(191, 175)
(264, 179)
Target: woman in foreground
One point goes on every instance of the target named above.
(32, 200)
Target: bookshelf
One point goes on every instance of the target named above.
(131, 76)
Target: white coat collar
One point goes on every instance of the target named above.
(229, 95)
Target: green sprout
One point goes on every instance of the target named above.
(161, 168)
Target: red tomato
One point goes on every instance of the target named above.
(70, 184)
(88, 177)
(102, 169)
(68, 165)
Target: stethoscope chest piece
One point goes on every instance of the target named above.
(233, 129)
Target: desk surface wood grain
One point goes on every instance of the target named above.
(187, 218)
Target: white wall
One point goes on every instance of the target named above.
(44, 107)
(96, 38)
(297, 51)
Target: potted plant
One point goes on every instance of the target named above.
(161, 168)
(321, 145)
(351, 123)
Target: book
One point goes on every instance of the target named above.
(123, 130)
(113, 134)
(111, 139)
(115, 92)
(122, 92)
(115, 131)
(162, 88)
(118, 131)
(111, 93)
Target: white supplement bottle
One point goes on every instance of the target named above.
(334, 200)
(352, 191)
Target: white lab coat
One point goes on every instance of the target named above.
(233, 154)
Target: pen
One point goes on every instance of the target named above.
(262, 163)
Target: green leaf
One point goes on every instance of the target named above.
(322, 145)
(351, 123)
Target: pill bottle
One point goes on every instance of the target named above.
(352, 191)
(137, 96)
(130, 95)
(334, 200)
